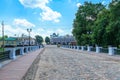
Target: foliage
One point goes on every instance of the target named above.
(47, 40)
(95, 24)
(39, 39)
(113, 29)
(5, 36)
(99, 28)
(85, 18)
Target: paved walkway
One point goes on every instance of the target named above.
(64, 64)
(16, 69)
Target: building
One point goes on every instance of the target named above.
(64, 40)
(25, 40)
(18, 41)
(8, 42)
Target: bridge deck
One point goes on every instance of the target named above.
(65, 64)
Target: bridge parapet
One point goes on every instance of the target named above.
(23, 50)
(110, 50)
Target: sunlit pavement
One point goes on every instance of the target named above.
(64, 64)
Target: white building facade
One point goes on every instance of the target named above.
(64, 40)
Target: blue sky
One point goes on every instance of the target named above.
(44, 17)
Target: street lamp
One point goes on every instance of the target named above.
(3, 34)
(29, 30)
(23, 39)
(89, 32)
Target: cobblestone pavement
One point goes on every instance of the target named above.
(61, 64)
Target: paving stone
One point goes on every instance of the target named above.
(66, 64)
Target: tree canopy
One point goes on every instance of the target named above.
(85, 18)
(47, 40)
(95, 24)
(5, 36)
(39, 39)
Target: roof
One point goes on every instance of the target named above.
(10, 39)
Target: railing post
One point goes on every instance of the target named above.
(22, 51)
(26, 49)
(71, 47)
(98, 49)
(29, 48)
(74, 47)
(12, 53)
(111, 50)
(78, 47)
(89, 48)
(82, 48)
(0, 65)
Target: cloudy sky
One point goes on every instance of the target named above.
(44, 17)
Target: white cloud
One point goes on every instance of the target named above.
(40, 30)
(47, 13)
(23, 23)
(11, 31)
(78, 4)
(34, 3)
(103, 2)
(60, 31)
(17, 27)
(47, 32)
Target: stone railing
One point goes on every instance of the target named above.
(22, 50)
(111, 50)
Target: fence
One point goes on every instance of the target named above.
(109, 50)
(93, 49)
(4, 55)
(104, 50)
(117, 51)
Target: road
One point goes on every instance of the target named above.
(62, 64)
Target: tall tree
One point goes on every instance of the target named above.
(113, 29)
(85, 18)
(39, 39)
(47, 40)
(99, 28)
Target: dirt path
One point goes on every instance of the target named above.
(60, 64)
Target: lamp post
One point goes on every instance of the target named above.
(23, 39)
(89, 32)
(29, 30)
(3, 34)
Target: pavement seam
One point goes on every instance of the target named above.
(31, 72)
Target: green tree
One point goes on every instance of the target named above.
(113, 29)
(95, 24)
(99, 28)
(5, 36)
(85, 18)
(39, 39)
(47, 40)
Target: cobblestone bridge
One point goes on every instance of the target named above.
(64, 64)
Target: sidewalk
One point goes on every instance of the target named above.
(16, 69)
